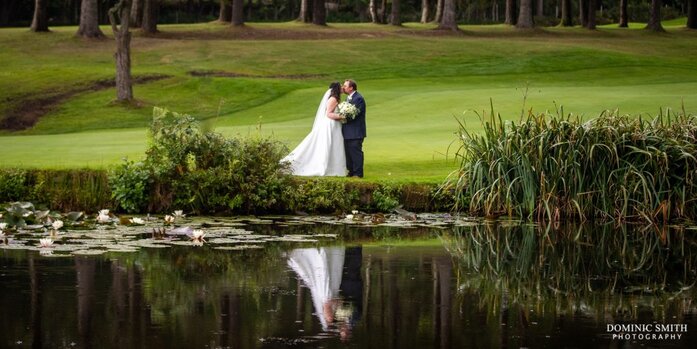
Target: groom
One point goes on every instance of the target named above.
(354, 131)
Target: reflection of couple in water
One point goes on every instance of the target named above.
(333, 275)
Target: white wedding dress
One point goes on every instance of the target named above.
(321, 153)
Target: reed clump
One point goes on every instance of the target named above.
(549, 167)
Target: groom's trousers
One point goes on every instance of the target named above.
(354, 156)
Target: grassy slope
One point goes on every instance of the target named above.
(414, 85)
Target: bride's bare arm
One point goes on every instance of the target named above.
(331, 105)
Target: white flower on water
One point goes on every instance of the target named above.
(3, 226)
(103, 216)
(198, 235)
(349, 216)
(57, 224)
(354, 211)
(178, 214)
(45, 243)
(197, 243)
(2, 235)
(169, 219)
(136, 220)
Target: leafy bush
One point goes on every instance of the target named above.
(13, 185)
(327, 196)
(385, 198)
(130, 185)
(187, 167)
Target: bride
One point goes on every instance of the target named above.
(321, 153)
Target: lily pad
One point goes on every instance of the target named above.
(238, 248)
(88, 252)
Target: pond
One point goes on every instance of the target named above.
(308, 282)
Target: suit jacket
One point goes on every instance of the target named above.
(355, 129)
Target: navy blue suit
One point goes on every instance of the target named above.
(354, 133)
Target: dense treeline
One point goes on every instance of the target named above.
(546, 12)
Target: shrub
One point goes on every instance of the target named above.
(324, 196)
(187, 167)
(130, 185)
(384, 199)
(13, 185)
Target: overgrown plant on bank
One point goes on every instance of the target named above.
(188, 167)
(549, 167)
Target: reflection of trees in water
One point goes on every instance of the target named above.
(607, 273)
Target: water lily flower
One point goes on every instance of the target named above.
(136, 220)
(46, 252)
(178, 214)
(354, 211)
(57, 224)
(197, 243)
(198, 235)
(169, 219)
(45, 243)
(3, 226)
(349, 216)
(103, 216)
(2, 235)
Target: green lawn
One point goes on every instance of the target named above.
(415, 81)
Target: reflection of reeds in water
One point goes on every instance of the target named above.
(601, 271)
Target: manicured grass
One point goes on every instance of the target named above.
(415, 82)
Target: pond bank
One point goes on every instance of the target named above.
(89, 190)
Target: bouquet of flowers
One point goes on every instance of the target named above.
(348, 111)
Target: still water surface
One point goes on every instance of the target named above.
(483, 286)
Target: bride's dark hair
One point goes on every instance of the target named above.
(335, 90)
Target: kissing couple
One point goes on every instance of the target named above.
(335, 144)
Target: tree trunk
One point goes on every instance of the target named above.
(225, 13)
(692, 14)
(583, 12)
(89, 24)
(655, 18)
(525, 20)
(382, 12)
(304, 16)
(124, 85)
(624, 22)
(136, 13)
(439, 12)
(319, 12)
(592, 5)
(150, 10)
(237, 12)
(540, 8)
(40, 22)
(448, 20)
(372, 8)
(424, 11)
(510, 12)
(394, 16)
(566, 18)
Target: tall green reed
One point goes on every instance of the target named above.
(554, 166)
